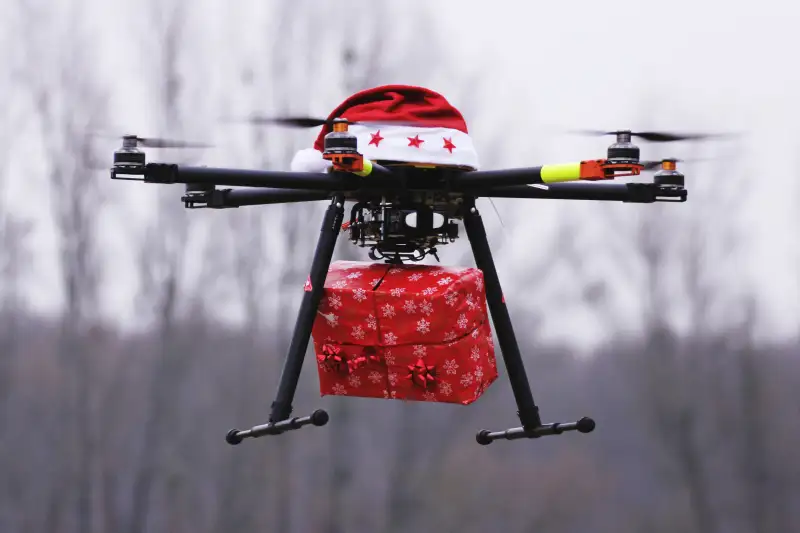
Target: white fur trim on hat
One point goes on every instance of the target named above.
(409, 144)
(309, 160)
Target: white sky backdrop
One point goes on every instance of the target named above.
(547, 66)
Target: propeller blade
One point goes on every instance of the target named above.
(653, 165)
(152, 142)
(312, 122)
(655, 136)
(665, 137)
(296, 122)
(656, 165)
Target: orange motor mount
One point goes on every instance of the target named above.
(622, 160)
(341, 148)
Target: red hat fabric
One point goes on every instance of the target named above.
(406, 123)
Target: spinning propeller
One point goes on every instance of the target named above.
(311, 122)
(659, 164)
(655, 136)
(134, 141)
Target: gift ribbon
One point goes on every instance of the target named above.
(332, 358)
(421, 375)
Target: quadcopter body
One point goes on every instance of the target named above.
(402, 210)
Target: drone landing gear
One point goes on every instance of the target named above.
(528, 411)
(279, 421)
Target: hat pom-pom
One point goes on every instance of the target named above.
(309, 160)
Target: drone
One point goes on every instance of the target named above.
(384, 194)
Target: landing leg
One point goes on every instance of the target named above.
(528, 411)
(279, 420)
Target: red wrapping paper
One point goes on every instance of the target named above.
(406, 332)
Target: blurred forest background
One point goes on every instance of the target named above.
(134, 333)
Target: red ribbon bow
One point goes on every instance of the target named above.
(331, 359)
(421, 374)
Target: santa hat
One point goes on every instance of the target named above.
(406, 123)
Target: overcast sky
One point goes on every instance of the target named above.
(547, 67)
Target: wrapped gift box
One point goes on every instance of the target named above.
(406, 332)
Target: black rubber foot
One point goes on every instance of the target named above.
(585, 425)
(483, 437)
(320, 417)
(233, 438)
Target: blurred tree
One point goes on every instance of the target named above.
(552, 495)
(66, 116)
(162, 255)
(674, 258)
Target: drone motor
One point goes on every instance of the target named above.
(623, 151)
(341, 148)
(128, 160)
(669, 176)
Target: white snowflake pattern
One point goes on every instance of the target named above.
(470, 301)
(387, 311)
(438, 272)
(475, 353)
(397, 292)
(466, 379)
(420, 350)
(372, 322)
(429, 291)
(390, 338)
(374, 281)
(490, 341)
(479, 282)
(462, 321)
(474, 334)
(393, 379)
(426, 307)
(478, 372)
(334, 301)
(354, 381)
(387, 395)
(445, 388)
(450, 335)
(409, 306)
(375, 377)
(451, 366)
(358, 332)
(395, 271)
(331, 319)
(445, 280)
(451, 298)
(329, 339)
(423, 326)
(354, 275)
(416, 276)
(359, 295)
(388, 357)
(339, 284)
(429, 396)
(339, 389)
